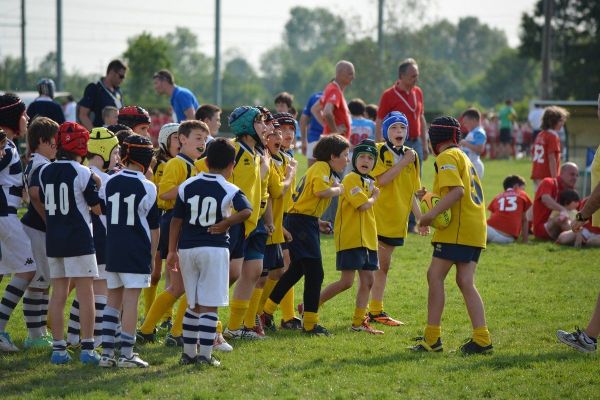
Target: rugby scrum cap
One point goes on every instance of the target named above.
(443, 130)
(11, 110)
(72, 138)
(165, 132)
(241, 121)
(395, 117)
(365, 146)
(102, 142)
(46, 87)
(137, 150)
(285, 119)
(133, 116)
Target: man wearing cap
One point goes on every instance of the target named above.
(183, 101)
(105, 92)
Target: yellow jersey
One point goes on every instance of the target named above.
(319, 177)
(394, 204)
(201, 165)
(175, 172)
(276, 178)
(468, 221)
(156, 178)
(595, 181)
(264, 191)
(246, 176)
(354, 228)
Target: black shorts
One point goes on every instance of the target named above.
(273, 258)
(236, 241)
(358, 259)
(396, 242)
(456, 252)
(306, 239)
(165, 226)
(506, 135)
(254, 246)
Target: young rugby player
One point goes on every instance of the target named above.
(460, 243)
(132, 238)
(355, 234)
(198, 245)
(69, 191)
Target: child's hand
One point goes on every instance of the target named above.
(420, 193)
(325, 227)
(270, 228)
(173, 261)
(375, 193)
(409, 157)
(290, 170)
(287, 235)
(426, 220)
(218, 228)
(576, 226)
(579, 240)
(155, 276)
(423, 230)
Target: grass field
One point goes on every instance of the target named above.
(529, 292)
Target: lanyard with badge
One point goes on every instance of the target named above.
(116, 99)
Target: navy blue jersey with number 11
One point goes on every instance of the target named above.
(131, 213)
(205, 200)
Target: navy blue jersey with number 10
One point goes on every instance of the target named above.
(131, 213)
(205, 200)
(68, 190)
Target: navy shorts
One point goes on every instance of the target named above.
(254, 246)
(273, 258)
(358, 259)
(456, 252)
(306, 240)
(236, 241)
(165, 226)
(396, 242)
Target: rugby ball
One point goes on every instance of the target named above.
(428, 201)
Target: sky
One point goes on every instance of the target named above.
(94, 32)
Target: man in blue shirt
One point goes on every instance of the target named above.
(310, 128)
(183, 101)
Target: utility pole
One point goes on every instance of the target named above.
(546, 89)
(23, 57)
(380, 31)
(217, 72)
(59, 78)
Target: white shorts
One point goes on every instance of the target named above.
(41, 280)
(115, 280)
(205, 272)
(102, 274)
(17, 256)
(309, 149)
(495, 236)
(73, 267)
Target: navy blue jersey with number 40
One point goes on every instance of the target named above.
(68, 190)
(202, 201)
(131, 213)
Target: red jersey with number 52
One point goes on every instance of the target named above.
(546, 143)
(507, 211)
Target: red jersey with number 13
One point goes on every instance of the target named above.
(507, 211)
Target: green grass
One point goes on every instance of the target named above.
(529, 292)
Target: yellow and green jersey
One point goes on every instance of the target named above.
(394, 204)
(354, 228)
(275, 186)
(468, 218)
(246, 176)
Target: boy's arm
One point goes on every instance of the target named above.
(169, 184)
(244, 210)
(454, 194)
(170, 195)
(331, 192)
(174, 232)
(268, 217)
(290, 174)
(552, 162)
(525, 228)
(371, 202)
(36, 201)
(390, 174)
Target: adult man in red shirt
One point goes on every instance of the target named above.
(405, 96)
(546, 200)
(332, 110)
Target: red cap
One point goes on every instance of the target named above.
(73, 138)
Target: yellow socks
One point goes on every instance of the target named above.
(267, 289)
(481, 336)
(162, 302)
(359, 316)
(310, 320)
(287, 305)
(236, 314)
(432, 334)
(219, 327)
(270, 307)
(177, 329)
(250, 317)
(149, 296)
(376, 307)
